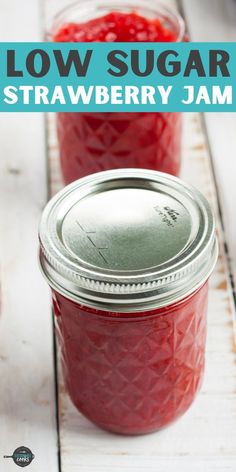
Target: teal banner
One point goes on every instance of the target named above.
(113, 77)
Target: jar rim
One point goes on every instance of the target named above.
(157, 255)
(157, 7)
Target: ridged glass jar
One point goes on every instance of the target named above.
(93, 142)
(128, 254)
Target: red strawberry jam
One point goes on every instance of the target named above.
(92, 142)
(133, 372)
(116, 26)
(128, 254)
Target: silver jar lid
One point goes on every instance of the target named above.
(127, 240)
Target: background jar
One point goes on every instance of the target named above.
(93, 142)
(128, 254)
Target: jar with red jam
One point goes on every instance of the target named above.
(127, 254)
(93, 142)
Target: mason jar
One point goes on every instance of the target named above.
(94, 141)
(127, 254)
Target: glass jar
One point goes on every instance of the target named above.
(128, 254)
(93, 142)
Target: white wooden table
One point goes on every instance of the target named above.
(34, 408)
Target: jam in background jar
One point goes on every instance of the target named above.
(93, 142)
(128, 254)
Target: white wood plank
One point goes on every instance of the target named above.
(211, 21)
(215, 21)
(202, 440)
(221, 129)
(27, 397)
(20, 23)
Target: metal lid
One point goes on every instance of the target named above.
(127, 240)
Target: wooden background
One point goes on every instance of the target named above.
(34, 408)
